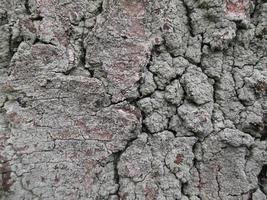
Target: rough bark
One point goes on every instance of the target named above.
(133, 99)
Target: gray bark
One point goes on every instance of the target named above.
(133, 99)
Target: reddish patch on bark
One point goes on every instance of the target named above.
(158, 40)
(70, 13)
(89, 152)
(45, 7)
(45, 53)
(137, 29)
(88, 179)
(124, 196)
(90, 165)
(80, 123)
(125, 58)
(216, 168)
(201, 184)
(13, 117)
(63, 37)
(99, 134)
(237, 7)
(28, 24)
(66, 134)
(133, 7)
(179, 159)
(94, 133)
(135, 11)
(5, 171)
(7, 87)
(150, 193)
(124, 70)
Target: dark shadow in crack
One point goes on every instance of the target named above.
(262, 179)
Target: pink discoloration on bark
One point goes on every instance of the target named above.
(99, 134)
(158, 40)
(123, 59)
(135, 11)
(67, 134)
(125, 114)
(201, 184)
(15, 118)
(62, 38)
(46, 7)
(136, 29)
(133, 170)
(70, 14)
(125, 69)
(134, 8)
(88, 180)
(80, 123)
(48, 55)
(236, 9)
(216, 168)
(8, 87)
(58, 19)
(150, 192)
(124, 196)
(54, 29)
(27, 24)
(179, 159)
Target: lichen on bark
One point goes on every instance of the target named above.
(133, 99)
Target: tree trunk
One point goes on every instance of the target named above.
(133, 99)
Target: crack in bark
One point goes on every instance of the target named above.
(188, 13)
(116, 161)
(262, 179)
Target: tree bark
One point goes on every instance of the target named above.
(133, 99)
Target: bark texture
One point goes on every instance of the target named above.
(133, 99)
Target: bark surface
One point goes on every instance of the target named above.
(133, 99)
